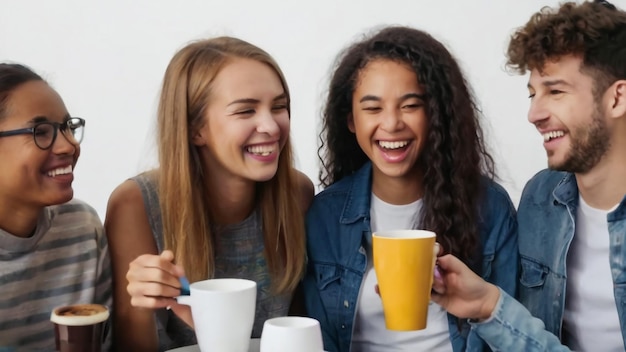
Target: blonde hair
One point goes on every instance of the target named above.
(182, 193)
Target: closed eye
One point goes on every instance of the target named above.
(245, 112)
(555, 92)
(412, 106)
(372, 108)
(279, 107)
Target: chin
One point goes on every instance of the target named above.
(60, 198)
(263, 178)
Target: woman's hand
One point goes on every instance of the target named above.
(154, 282)
(461, 292)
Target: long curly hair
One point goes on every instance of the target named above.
(595, 31)
(455, 157)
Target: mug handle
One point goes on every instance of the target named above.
(186, 300)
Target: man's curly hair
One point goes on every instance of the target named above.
(593, 30)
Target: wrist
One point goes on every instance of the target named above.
(489, 304)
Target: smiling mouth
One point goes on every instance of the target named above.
(261, 150)
(60, 171)
(548, 136)
(392, 145)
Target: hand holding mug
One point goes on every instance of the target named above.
(154, 282)
(461, 292)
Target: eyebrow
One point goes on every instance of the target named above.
(255, 101)
(402, 98)
(38, 119)
(551, 83)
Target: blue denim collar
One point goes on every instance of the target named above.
(357, 204)
(566, 191)
(619, 213)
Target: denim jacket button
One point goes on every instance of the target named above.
(343, 326)
(346, 304)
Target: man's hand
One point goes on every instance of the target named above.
(461, 292)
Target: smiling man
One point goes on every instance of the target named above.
(572, 216)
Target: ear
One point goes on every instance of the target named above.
(197, 137)
(351, 123)
(617, 96)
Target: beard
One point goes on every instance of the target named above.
(588, 145)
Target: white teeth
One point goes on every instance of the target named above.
(392, 145)
(552, 134)
(263, 150)
(60, 171)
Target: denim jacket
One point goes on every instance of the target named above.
(338, 223)
(546, 217)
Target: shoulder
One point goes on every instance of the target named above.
(496, 194)
(127, 190)
(306, 190)
(77, 218)
(132, 190)
(127, 214)
(349, 196)
(333, 193)
(539, 193)
(76, 211)
(544, 181)
(126, 204)
(332, 199)
(496, 206)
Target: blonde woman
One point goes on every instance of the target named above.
(226, 200)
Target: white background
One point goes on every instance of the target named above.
(107, 60)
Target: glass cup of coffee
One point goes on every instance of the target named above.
(80, 327)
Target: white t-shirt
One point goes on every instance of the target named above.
(590, 321)
(369, 332)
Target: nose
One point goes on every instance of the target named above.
(537, 112)
(267, 124)
(65, 143)
(392, 120)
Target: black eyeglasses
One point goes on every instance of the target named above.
(45, 132)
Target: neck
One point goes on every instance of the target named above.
(231, 201)
(18, 220)
(604, 186)
(398, 190)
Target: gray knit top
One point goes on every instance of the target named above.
(239, 253)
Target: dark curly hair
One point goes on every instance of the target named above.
(11, 76)
(455, 156)
(595, 31)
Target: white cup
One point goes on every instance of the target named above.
(223, 313)
(289, 334)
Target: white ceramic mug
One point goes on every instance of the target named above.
(289, 334)
(223, 313)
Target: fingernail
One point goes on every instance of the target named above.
(184, 286)
(437, 272)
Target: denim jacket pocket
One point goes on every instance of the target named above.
(533, 274)
(326, 274)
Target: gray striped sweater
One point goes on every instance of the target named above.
(66, 261)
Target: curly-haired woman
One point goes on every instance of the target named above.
(402, 147)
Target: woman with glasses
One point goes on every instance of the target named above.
(52, 249)
(225, 201)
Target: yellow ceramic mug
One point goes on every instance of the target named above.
(404, 261)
